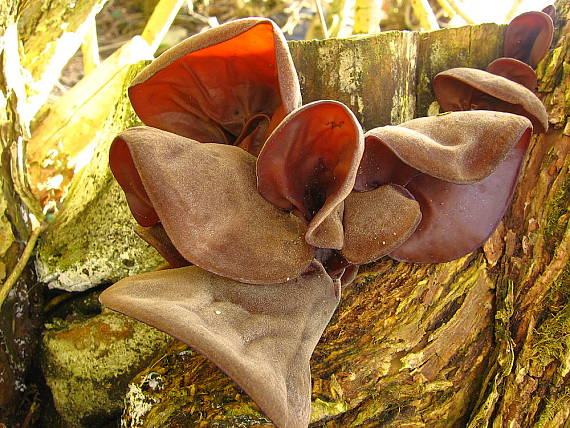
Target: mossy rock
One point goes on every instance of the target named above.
(92, 240)
(88, 364)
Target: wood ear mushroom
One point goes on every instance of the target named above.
(275, 204)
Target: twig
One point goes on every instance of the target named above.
(56, 301)
(160, 21)
(367, 14)
(18, 168)
(514, 10)
(322, 18)
(90, 48)
(342, 18)
(460, 11)
(425, 15)
(37, 229)
(449, 10)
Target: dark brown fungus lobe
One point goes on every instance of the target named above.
(377, 222)
(231, 85)
(461, 89)
(338, 268)
(466, 166)
(528, 37)
(458, 218)
(206, 198)
(308, 165)
(550, 10)
(156, 237)
(349, 275)
(514, 70)
(125, 172)
(262, 337)
(332, 261)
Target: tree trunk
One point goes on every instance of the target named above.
(484, 340)
(18, 315)
(29, 71)
(481, 340)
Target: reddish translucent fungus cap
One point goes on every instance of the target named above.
(205, 196)
(528, 37)
(459, 168)
(308, 165)
(230, 85)
(461, 89)
(514, 70)
(260, 336)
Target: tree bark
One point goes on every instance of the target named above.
(32, 35)
(480, 341)
(18, 314)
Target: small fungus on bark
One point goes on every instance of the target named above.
(514, 70)
(528, 37)
(550, 10)
(461, 89)
(244, 65)
(308, 165)
(261, 336)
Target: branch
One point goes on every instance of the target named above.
(160, 21)
(37, 229)
(425, 15)
(90, 48)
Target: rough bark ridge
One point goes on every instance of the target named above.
(480, 341)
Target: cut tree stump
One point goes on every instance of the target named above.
(480, 341)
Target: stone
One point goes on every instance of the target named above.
(88, 363)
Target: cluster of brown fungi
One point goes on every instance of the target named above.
(263, 225)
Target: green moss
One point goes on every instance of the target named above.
(381, 405)
(556, 208)
(552, 408)
(92, 241)
(552, 337)
(81, 359)
(326, 409)
(549, 70)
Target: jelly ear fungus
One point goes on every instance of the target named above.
(528, 37)
(261, 336)
(308, 166)
(232, 85)
(452, 177)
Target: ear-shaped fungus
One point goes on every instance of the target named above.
(514, 70)
(460, 167)
(550, 10)
(309, 164)
(206, 199)
(156, 237)
(378, 221)
(340, 269)
(461, 89)
(231, 85)
(528, 37)
(261, 336)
